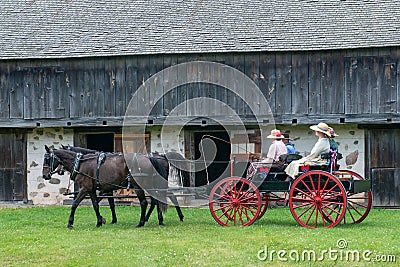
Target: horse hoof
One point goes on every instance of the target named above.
(161, 224)
(113, 221)
(181, 219)
(103, 220)
(139, 225)
(70, 227)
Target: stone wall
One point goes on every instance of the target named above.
(40, 191)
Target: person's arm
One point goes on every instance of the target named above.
(271, 153)
(316, 151)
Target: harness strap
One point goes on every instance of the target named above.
(100, 160)
(77, 164)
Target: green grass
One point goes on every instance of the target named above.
(38, 237)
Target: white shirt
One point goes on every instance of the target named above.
(276, 149)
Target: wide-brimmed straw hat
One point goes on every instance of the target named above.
(332, 132)
(321, 127)
(275, 134)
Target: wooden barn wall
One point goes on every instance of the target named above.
(346, 82)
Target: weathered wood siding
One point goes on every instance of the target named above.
(331, 84)
(13, 166)
(383, 150)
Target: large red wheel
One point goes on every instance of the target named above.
(264, 205)
(317, 199)
(359, 204)
(235, 201)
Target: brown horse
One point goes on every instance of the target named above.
(112, 175)
(162, 159)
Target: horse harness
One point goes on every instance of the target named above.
(100, 160)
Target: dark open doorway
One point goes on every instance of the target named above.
(219, 167)
(101, 142)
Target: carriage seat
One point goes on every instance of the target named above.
(287, 158)
(330, 157)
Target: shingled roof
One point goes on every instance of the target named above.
(77, 28)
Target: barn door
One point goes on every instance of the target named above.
(12, 167)
(383, 148)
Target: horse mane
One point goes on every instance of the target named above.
(86, 151)
(80, 149)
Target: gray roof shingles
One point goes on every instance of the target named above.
(76, 28)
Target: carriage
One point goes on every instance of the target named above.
(321, 196)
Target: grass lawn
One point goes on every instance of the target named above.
(38, 236)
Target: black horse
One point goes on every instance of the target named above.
(162, 159)
(113, 174)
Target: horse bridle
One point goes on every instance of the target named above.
(49, 159)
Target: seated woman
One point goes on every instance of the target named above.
(334, 146)
(276, 149)
(322, 146)
(334, 149)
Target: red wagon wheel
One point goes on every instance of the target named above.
(358, 205)
(264, 205)
(317, 199)
(235, 201)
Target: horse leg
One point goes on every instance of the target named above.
(95, 203)
(81, 195)
(143, 206)
(159, 213)
(112, 208)
(153, 203)
(176, 204)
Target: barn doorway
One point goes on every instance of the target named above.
(383, 150)
(220, 165)
(13, 182)
(101, 142)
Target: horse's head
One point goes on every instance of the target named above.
(51, 164)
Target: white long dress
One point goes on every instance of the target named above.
(321, 146)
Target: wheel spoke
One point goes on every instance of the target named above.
(350, 204)
(310, 196)
(309, 190)
(351, 214)
(306, 210)
(309, 217)
(312, 183)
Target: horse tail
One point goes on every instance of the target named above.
(178, 162)
(162, 196)
(159, 168)
(163, 206)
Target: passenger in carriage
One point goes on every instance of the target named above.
(289, 145)
(276, 149)
(334, 146)
(322, 146)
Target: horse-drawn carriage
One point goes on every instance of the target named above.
(319, 196)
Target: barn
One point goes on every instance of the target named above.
(69, 69)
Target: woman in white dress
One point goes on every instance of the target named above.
(322, 146)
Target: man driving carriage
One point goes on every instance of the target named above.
(276, 149)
